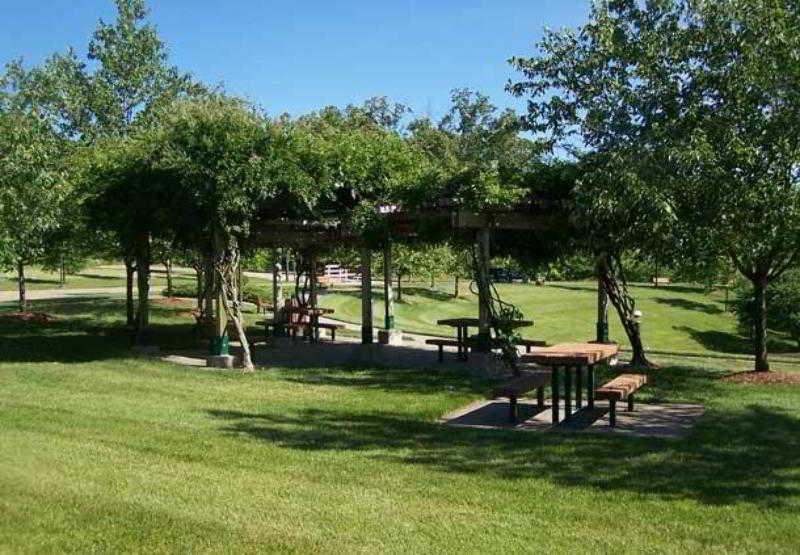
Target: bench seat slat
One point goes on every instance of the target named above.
(621, 387)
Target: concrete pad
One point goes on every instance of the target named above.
(671, 420)
(220, 361)
(184, 360)
(390, 337)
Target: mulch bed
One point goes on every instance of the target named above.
(764, 378)
(170, 301)
(29, 317)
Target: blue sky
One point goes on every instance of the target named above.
(299, 55)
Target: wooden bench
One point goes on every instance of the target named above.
(442, 343)
(331, 328)
(521, 385)
(621, 388)
(530, 344)
(656, 281)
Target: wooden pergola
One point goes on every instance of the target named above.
(521, 223)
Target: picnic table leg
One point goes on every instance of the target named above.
(554, 387)
(567, 392)
(514, 413)
(460, 340)
(578, 387)
(590, 386)
(540, 398)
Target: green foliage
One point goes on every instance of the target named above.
(33, 186)
(783, 301)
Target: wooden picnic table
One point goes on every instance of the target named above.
(462, 326)
(314, 312)
(573, 358)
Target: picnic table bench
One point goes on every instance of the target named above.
(621, 388)
(463, 347)
(519, 386)
(303, 320)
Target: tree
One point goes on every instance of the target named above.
(126, 82)
(226, 164)
(33, 182)
(693, 103)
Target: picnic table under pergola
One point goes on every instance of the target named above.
(462, 326)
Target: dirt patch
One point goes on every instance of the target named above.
(40, 317)
(764, 378)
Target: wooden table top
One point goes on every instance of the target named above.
(475, 322)
(314, 311)
(568, 354)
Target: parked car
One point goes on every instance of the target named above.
(504, 275)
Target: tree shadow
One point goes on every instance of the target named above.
(726, 342)
(411, 291)
(100, 277)
(86, 329)
(420, 381)
(730, 457)
(686, 304)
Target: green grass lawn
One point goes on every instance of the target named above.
(90, 278)
(677, 319)
(103, 451)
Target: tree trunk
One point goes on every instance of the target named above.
(611, 274)
(433, 281)
(456, 291)
(399, 286)
(227, 270)
(143, 289)
(62, 273)
(131, 313)
(760, 335)
(210, 288)
(168, 268)
(199, 276)
(23, 300)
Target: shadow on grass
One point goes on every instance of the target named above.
(726, 342)
(686, 304)
(87, 328)
(418, 381)
(741, 456)
(99, 277)
(411, 291)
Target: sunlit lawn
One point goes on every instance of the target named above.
(676, 319)
(93, 277)
(102, 451)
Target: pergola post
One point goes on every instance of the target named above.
(277, 297)
(366, 296)
(312, 299)
(484, 300)
(602, 313)
(312, 279)
(389, 335)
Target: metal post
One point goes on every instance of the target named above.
(555, 386)
(567, 392)
(388, 293)
(484, 302)
(277, 297)
(312, 278)
(366, 296)
(602, 313)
